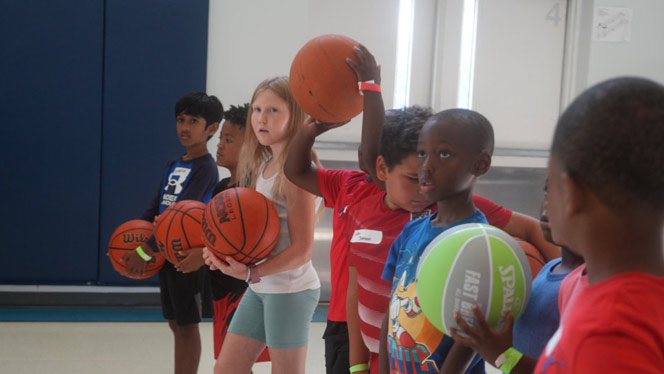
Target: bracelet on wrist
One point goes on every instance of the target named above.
(368, 86)
(507, 360)
(146, 257)
(359, 367)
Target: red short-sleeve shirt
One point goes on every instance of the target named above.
(340, 188)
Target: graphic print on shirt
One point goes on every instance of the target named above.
(550, 351)
(176, 182)
(411, 337)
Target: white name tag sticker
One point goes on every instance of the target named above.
(367, 236)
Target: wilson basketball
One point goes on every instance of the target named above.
(535, 258)
(241, 223)
(127, 237)
(178, 229)
(472, 264)
(322, 82)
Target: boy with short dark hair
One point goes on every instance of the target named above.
(190, 177)
(454, 149)
(375, 221)
(606, 202)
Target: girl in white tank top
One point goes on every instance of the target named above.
(285, 283)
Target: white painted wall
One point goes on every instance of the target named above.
(518, 69)
(520, 54)
(590, 61)
(251, 40)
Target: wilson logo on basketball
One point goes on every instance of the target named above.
(224, 209)
(209, 234)
(134, 238)
(176, 244)
(178, 229)
(127, 237)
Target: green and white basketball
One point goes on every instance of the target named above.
(472, 264)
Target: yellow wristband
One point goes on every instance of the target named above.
(359, 367)
(142, 253)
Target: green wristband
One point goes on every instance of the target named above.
(359, 367)
(142, 253)
(511, 358)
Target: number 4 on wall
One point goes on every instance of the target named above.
(554, 14)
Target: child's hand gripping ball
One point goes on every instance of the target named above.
(126, 238)
(241, 223)
(178, 229)
(323, 83)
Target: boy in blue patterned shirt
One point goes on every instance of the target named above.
(454, 149)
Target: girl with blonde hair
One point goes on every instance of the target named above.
(283, 292)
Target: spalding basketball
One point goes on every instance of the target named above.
(178, 229)
(535, 258)
(127, 237)
(241, 223)
(322, 82)
(472, 264)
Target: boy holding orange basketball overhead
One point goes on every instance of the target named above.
(190, 177)
(339, 188)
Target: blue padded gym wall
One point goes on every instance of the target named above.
(87, 99)
(50, 105)
(156, 51)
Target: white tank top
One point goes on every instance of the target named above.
(289, 281)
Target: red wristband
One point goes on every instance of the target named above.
(369, 86)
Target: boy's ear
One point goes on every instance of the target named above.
(212, 129)
(381, 168)
(482, 164)
(574, 194)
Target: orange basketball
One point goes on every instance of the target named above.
(534, 256)
(241, 223)
(127, 237)
(322, 82)
(178, 228)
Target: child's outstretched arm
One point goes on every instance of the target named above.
(491, 343)
(358, 353)
(299, 168)
(373, 116)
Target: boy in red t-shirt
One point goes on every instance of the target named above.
(340, 188)
(606, 202)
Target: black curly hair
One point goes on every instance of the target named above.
(398, 139)
(611, 139)
(237, 115)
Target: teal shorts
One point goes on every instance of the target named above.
(281, 320)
